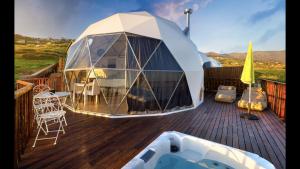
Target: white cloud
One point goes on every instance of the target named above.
(173, 10)
(195, 7)
(170, 10)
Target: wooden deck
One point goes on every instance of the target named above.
(96, 142)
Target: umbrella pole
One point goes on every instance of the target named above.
(251, 116)
(248, 115)
(249, 101)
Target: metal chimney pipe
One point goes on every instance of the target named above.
(187, 12)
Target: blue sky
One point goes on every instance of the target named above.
(216, 25)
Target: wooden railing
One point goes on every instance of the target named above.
(23, 117)
(276, 95)
(61, 64)
(213, 77)
(54, 82)
(45, 72)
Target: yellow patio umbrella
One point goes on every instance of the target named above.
(248, 78)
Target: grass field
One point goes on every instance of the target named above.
(30, 58)
(264, 70)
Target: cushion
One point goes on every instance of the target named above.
(258, 99)
(226, 94)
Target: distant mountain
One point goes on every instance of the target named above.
(21, 39)
(262, 56)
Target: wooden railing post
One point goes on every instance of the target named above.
(275, 97)
(23, 118)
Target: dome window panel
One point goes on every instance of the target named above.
(162, 59)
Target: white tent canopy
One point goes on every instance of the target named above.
(142, 24)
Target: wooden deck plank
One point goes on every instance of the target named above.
(96, 142)
(214, 132)
(241, 134)
(212, 123)
(229, 140)
(225, 126)
(277, 129)
(234, 128)
(209, 123)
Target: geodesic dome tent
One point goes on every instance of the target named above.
(133, 64)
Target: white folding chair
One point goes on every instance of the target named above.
(49, 109)
(40, 103)
(40, 88)
(39, 106)
(92, 90)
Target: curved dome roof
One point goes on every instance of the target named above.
(145, 24)
(141, 23)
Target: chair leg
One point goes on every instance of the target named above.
(57, 133)
(46, 126)
(74, 95)
(37, 136)
(65, 120)
(84, 99)
(60, 126)
(45, 132)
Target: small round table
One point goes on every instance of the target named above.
(62, 95)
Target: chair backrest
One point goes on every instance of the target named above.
(40, 88)
(45, 104)
(53, 103)
(36, 102)
(78, 89)
(95, 87)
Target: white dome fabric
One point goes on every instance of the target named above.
(212, 62)
(144, 24)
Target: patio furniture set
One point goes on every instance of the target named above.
(228, 94)
(48, 112)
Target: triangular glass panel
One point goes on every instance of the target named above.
(69, 81)
(71, 52)
(142, 47)
(181, 97)
(163, 84)
(131, 62)
(131, 76)
(99, 44)
(112, 83)
(81, 58)
(72, 59)
(94, 100)
(162, 59)
(140, 99)
(115, 56)
(78, 86)
(122, 109)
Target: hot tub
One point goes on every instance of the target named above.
(174, 150)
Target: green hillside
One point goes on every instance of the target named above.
(272, 70)
(33, 54)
